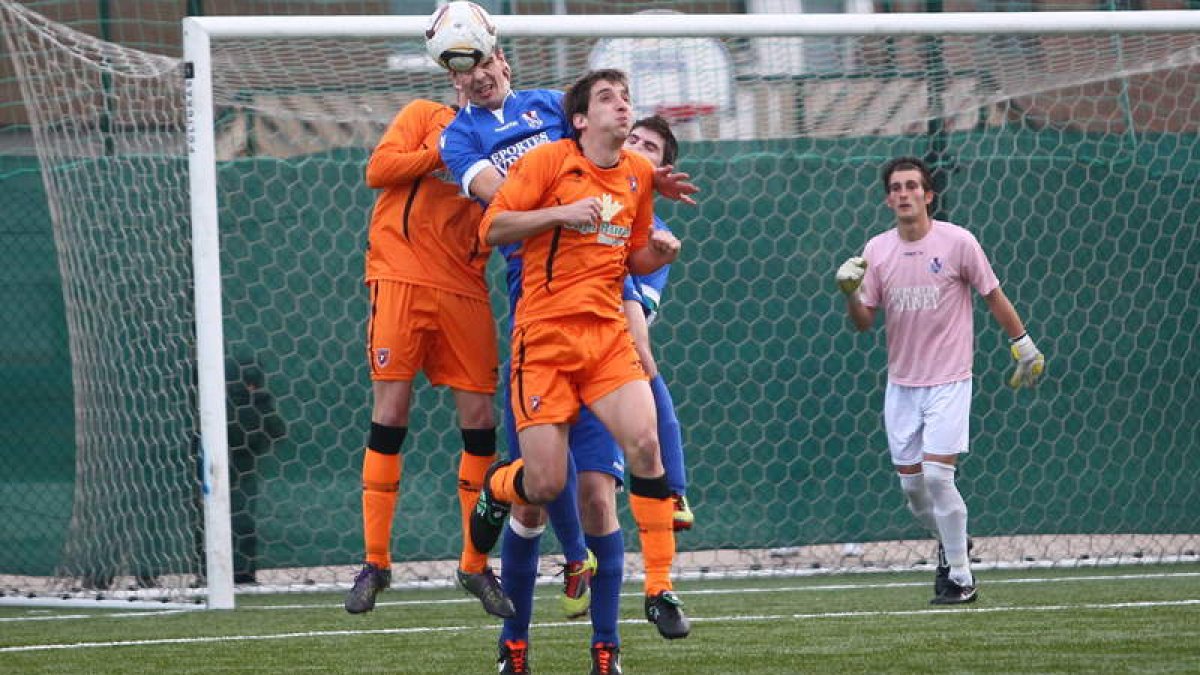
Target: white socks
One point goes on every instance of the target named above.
(525, 532)
(919, 502)
(950, 514)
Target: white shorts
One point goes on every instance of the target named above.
(927, 420)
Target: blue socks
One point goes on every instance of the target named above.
(564, 516)
(669, 437)
(519, 557)
(606, 585)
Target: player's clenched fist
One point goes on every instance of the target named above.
(584, 212)
(1030, 363)
(850, 274)
(664, 243)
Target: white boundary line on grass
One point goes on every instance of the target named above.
(559, 624)
(702, 591)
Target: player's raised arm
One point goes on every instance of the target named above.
(519, 212)
(674, 184)
(508, 227)
(662, 249)
(849, 278)
(409, 148)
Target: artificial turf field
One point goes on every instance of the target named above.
(1143, 619)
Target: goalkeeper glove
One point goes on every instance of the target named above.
(850, 274)
(1030, 363)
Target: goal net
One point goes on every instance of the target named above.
(1071, 149)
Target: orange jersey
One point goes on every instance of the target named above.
(576, 270)
(423, 231)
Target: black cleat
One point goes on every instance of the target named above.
(486, 587)
(368, 583)
(606, 659)
(487, 519)
(665, 611)
(953, 594)
(514, 657)
(942, 575)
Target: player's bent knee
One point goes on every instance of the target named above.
(475, 411)
(939, 481)
(602, 506)
(541, 488)
(642, 453)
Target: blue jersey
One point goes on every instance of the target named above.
(648, 289)
(478, 138)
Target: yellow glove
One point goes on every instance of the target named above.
(1030, 363)
(850, 274)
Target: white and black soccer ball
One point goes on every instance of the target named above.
(460, 35)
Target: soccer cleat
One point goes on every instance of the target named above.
(606, 659)
(486, 587)
(487, 519)
(683, 519)
(953, 594)
(368, 583)
(577, 586)
(514, 657)
(941, 576)
(665, 611)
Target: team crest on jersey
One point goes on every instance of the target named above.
(383, 356)
(535, 402)
(633, 184)
(531, 118)
(935, 265)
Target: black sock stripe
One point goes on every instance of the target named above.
(653, 488)
(479, 442)
(386, 440)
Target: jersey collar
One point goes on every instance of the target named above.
(498, 113)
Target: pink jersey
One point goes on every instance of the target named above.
(924, 288)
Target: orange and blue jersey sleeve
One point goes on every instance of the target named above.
(529, 180)
(408, 150)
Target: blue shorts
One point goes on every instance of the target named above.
(592, 447)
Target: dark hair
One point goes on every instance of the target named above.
(662, 127)
(906, 164)
(575, 102)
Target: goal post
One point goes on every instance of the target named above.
(231, 181)
(210, 336)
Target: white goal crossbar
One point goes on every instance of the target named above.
(717, 25)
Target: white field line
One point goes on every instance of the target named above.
(637, 594)
(559, 624)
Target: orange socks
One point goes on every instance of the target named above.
(654, 518)
(381, 487)
(471, 469)
(504, 482)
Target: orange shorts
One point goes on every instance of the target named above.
(561, 364)
(451, 337)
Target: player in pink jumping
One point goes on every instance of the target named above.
(921, 273)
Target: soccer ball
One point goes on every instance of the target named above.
(460, 35)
